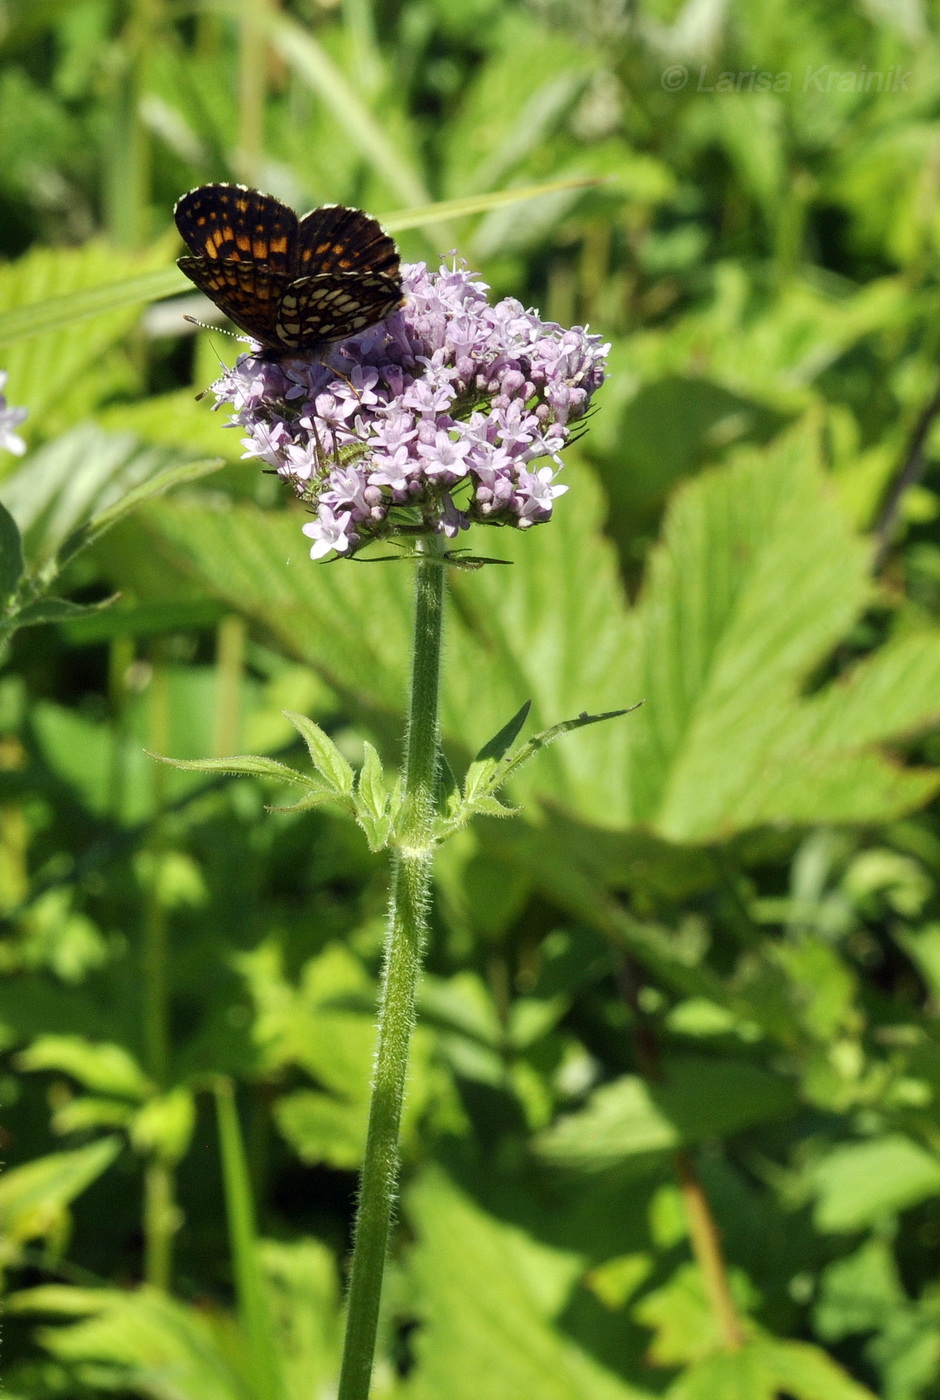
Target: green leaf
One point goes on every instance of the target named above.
(80, 1114)
(372, 804)
(34, 1197)
(305, 1301)
(63, 310)
(697, 1099)
(321, 1128)
(105, 1069)
(444, 209)
(101, 298)
(248, 764)
(164, 1126)
(859, 1183)
(498, 745)
(325, 756)
(764, 1369)
(498, 1342)
(253, 1302)
(143, 1341)
(757, 579)
(11, 554)
(315, 66)
(682, 1318)
(60, 610)
(83, 482)
(858, 1293)
(182, 474)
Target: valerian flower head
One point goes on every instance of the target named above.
(431, 420)
(10, 418)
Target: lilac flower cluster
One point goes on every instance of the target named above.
(426, 422)
(10, 418)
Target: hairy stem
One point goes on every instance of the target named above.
(411, 881)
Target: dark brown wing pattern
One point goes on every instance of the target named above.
(336, 239)
(235, 223)
(293, 286)
(334, 306)
(249, 295)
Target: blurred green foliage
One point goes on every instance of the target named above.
(673, 1123)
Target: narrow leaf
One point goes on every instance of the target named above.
(316, 797)
(324, 754)
(180, 475)
(548, 736)
(11, 554)
(498, 745)
(373, 793)
(253, 1309)
(477, 204)
(25, 321)
(59, 610)
(250, 764)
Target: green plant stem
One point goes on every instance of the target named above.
(706, 1246)
(411, 880)
(254, 1313)
(160, 1214)
(160, 1224)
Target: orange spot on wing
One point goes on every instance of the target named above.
(244, 243)
(278, 245)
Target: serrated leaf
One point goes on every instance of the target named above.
(325, 756)
(371, 788)
(321, 1128)
(316, 797)
(64, 308)
(757, 578)
(11, 554)
(140, 1341)
(764, 1369)
(372, 803)
(250, 765)
(497, 1343)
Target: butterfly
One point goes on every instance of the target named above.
(293, 284)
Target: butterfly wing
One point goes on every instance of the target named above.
(333, 306)
(336, 239)
(249, 295)
(234, 224)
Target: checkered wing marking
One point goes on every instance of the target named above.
(333, 306)
(234, 224)
(336, 239)
(249, 295)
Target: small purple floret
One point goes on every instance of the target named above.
(428, 422)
